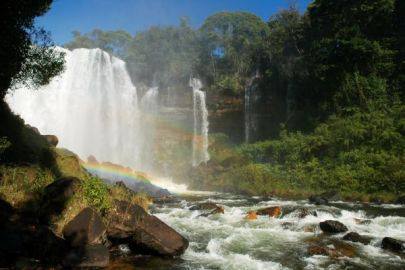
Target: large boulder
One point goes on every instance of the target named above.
(86, 228)
(355, 237)
(51, 139)
(332, 226)
(204, 206)
(274, 211)
(393, 244)
(57, 194)
(145, 233)
(87, 256)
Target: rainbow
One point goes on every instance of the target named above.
(115, 171)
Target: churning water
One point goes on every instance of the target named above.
(229, 241)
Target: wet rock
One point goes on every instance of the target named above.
(319, 250)
(310, 228)
(218, 210)
(362, 221)
(51, 139)
(86, 228)
(304, 212)
(332, 226)
(87, 256)
(274, 211)
(251, 215)
(393, 244)
(204, 206)
(318, 200)
(334, 251)
(355, 237)
(145, 233)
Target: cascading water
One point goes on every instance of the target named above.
(200, 137)
(250, 121)
(92, 107)
(149, 109)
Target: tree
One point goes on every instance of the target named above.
(228, 45)
(25, 50)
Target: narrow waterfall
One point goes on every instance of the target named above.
(92, 107)
(200, 137)
(149, 108)
(249, 121)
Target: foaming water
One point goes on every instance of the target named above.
(229, 241)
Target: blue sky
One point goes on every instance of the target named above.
(137, 15)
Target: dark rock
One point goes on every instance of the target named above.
(274, 211)
(143, 232)
(400, 200)
(218, 210)
(393, 244)
(87, 256)
(362, 221)
(331, 195)
(86, 228)
(36, 131)
(304, 212)
(6, 211)
(57, 194)
(204, 206)
(51, 139)
(332, 226)
(318, 200)
(318, 250)
(355, 237)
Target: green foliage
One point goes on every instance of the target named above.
(4, 144)
(25, 49)
(96, 193)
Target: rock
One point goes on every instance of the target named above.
(87, 256)
(331, 195)
(318, 250)
(334, 252)
(57, 194)
(310, 228)
(332, 226)
(6, 211)
(51, 139)
(251, 215)
(362, 221)
(86, 228)
(393, 244)
(92, 159)
(145, 233)
(274, 211)
(318, 200)
(204, 206)
(355, 237)
(400, 200)
(304, 212)
(36, 131)
(218, 210)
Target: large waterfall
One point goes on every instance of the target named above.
(92, 107)
(200, 138)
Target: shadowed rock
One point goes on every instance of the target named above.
(145, 233)
(51, 139)
(86, 228)
(355, 237)
(332, 226)
(274, 211)
(393, 244)
(87, 256)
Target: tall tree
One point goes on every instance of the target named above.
(25, 51)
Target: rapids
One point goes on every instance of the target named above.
(229, 241)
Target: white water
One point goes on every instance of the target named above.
(229, 241)
(92, 108)
(249, 121)
(200, 137)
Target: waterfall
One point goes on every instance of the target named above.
(200, 137)
(249, 121)
(149, 109)
(92, 107)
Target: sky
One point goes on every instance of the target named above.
(133, 16)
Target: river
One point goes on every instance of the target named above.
(229, 241)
